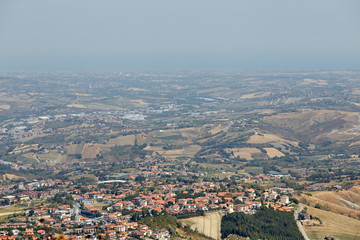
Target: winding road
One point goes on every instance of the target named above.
(299, 223)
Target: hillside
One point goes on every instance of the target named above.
(320, 127)
(345, 202)
(264, 224)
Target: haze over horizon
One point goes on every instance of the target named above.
(93, 35)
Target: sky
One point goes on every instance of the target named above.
(112, 35)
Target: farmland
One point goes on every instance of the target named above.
(182, 135)
(345, 202)
(209, 225)
(244, 152)
(272, 152)
(337, 225)
(90, 151)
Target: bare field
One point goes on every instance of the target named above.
(90, 150)
(273, 152)
(217, 130)
(308, 81)
(5, 107)
(243, 152)
(209, 225)
(10, 177)
(136, 89)
(345, 202)
(82, 94)
(341, 125)
(122, 140)
(344, 198)
(269, 138)
(76, 106)
(187, 151)
(140, 139)
(188, 235)
(339, 226)
(354, 143)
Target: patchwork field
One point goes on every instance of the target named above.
(24, 148)
(273, 152)
(139, 102)
(243, 152)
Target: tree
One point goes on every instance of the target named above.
(140, 178)
(31, 212)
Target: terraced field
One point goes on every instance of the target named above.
(339, 212)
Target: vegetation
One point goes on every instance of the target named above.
(221, 132)
(159, 222)
(264, 224)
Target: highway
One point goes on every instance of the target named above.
(299, 223)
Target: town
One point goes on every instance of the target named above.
(168, 154)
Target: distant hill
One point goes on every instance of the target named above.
(320, 127)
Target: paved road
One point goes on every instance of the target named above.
(299, 223)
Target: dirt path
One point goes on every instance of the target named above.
(9, 213)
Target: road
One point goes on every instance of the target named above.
(299, 223)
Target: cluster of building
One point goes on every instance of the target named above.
(94, 209)
(39, 124)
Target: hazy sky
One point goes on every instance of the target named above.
(47, 35)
